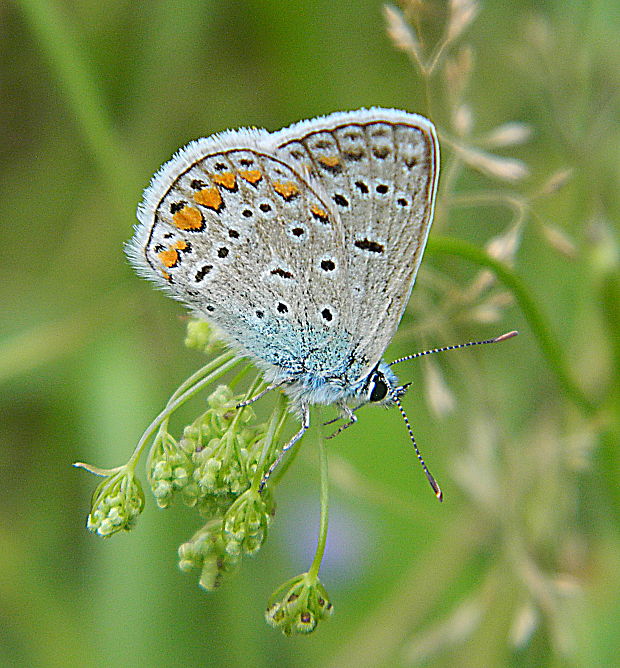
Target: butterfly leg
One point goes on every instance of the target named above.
(262, 393)
(305, 423)
(348, 413)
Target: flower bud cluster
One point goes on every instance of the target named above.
(207, 551)
(246, 522)
(298, 605)
(170, 470)
(225, 446)
(218, 547)
(215, 460)
(116, 504)
(213, 467)
(201, 336)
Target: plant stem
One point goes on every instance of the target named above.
(189, 382)
(197, 375)
(313, 572)
(252, 390)
(278, 417)
(550, 347)
(179, 397)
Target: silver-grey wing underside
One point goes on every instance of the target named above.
(379, 169)
(301, 245)
(244, 240)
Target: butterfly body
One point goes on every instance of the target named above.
(313, 388)
(300, 245)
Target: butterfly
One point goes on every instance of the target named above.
(301, 246)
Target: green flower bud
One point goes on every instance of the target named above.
(214, 462)
(116, 504)
(201, 336)
(222, 400)
(206, 551)
(215, 506)
(169, 470)
(162, 491)
(298, 605)
(225, 453)
(246, 522)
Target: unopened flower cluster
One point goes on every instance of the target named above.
(212, 468)
(215, 467)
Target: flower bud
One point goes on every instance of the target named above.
(298, 605)
(206, 550)
(117, 503)
(170, 469)
(201, 336)
(246, 522)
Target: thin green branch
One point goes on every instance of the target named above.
(313, 572)
(221, 365)
(551, 348)
(186, 391)
(278, 417)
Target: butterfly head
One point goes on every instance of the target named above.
(381, 386)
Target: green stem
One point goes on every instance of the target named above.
(278, 416)
(252, 390)
(183, 387)
(178, 399)
(203, 371)
(313, 572)
(190, 387)
(551, 348)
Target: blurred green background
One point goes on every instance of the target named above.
(520, 566)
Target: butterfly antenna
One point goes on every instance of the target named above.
(429, 475)
(497, 339)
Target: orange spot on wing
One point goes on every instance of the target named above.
(227, 179)
(188, 218)
(166, 275)
(286, 190)
(209, 197)
(329, 160)
(169, 258)
(251, 176)
(181, 245)
(319, 213)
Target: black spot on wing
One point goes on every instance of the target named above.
(368, 245)
(203, 272)
(282, 273)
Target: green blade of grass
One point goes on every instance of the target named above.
(550, 347)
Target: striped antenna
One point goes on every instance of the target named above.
(497, 339)
(429, 475)
(396, 398)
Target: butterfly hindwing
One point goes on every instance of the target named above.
(378, 168)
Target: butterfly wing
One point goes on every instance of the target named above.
(241, 237)
(378, 168)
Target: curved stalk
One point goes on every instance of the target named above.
(313, 571)
(550, 347)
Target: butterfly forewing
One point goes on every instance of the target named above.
(378, 169)
(242, 238)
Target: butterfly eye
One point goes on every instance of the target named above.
(379, 389)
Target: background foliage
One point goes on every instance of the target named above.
(521, 564)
